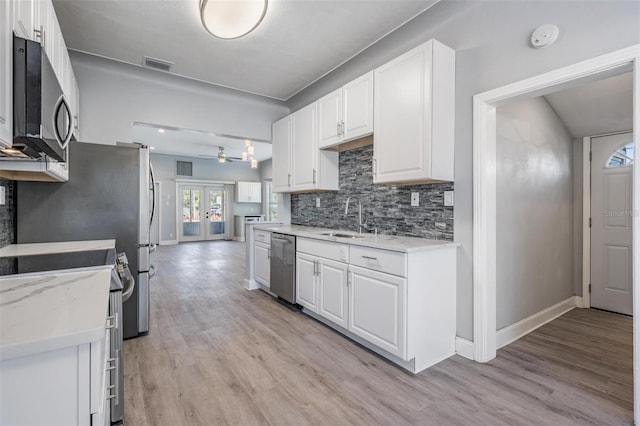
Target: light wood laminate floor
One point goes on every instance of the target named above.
(218, 354)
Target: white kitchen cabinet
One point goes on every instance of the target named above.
(377, 303)
(24, 19)
(68, 386)
(6, 75)
(298, 164)
(248, 192)
(333, 291)
(414, 116)
(306, 282)
(281, 150)
(347, 113)
(262, 262)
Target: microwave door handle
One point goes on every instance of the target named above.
(63, 142)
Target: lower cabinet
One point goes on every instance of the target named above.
(68, 386)
(377, 303)
(262, 253)
(332, 291)
(401, 305)
(306, 282)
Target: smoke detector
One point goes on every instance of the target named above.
(545, 35)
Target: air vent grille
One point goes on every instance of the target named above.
(184, 168)
(159, 64)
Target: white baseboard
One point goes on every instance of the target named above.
(579, 302)
(515, 331)
(251, 284)
(464, 347)
(168, 242)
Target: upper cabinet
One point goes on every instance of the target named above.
(414, 116)
(298, 163)
(281, 149)
(6, 77)
(346, 113)
(248, 192)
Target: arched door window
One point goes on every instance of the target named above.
(621, 157)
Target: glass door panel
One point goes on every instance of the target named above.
(190, 200)
(216, 213)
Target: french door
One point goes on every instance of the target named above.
(204, 212)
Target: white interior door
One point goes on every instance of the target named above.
(204, 212)
(611, 227)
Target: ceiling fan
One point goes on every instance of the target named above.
(222, 156)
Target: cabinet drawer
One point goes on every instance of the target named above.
(390, 262)
(262, 236)
(326, 249)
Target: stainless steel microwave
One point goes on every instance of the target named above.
(42, 119)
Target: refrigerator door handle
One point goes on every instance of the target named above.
(152, 270)
(153, 194)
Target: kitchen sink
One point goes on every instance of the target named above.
(340, 235)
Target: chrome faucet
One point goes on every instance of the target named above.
(346, 211)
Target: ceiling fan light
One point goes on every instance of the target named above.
(245, 156)
(254, 163)
(229, 19)
(222, 160)
(250, 150)
(247, 143)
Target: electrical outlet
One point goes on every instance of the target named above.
(448, 198)
(415, 199)
(317, 201)
(3, 195)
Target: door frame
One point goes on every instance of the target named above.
(199, 182)
(586, 215)
(484, 191)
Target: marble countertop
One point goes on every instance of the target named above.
(45, 311)
(17, 250)
(385, 242)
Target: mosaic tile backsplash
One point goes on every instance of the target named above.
(8, 225)
(385, 207)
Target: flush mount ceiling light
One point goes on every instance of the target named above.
(229, 19)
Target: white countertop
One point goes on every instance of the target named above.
(46, 311)
(16, 250)
(385, 242)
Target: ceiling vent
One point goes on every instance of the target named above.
(158, 64)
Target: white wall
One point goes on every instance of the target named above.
(534, 241)
(113, 95)
(491, 42)
(164, 168)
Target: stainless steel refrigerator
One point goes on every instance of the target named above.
(109, 195)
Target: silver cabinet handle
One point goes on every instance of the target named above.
(348, 278)
(75, 119)
(268, 253)
(315, 262)
(109, 394)
(40, 34)
(112, 321)
(289, 179)
(375, 166)
(111, 367)
(314, 176)
(338, 128)
(342, 128)
(370, 258)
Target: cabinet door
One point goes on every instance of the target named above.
(262, 268)
(6, 76)
(255, 192)
(304, 144)
(333, 293)
(306, 283)
(401, 122)
(377, 304)
(358, 108)
(242, 192)
(329, 119)
(24, 16)
(281, 133)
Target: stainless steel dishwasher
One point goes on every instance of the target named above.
(283, 266)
